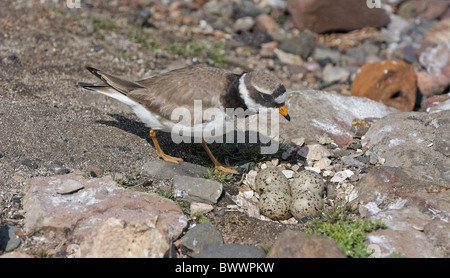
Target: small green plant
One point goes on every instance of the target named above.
(219, 176)
(43, 252)
(348, 232)
(166, 194)
(192, 49)
(146, 42)
(103, 24)
(395, 255)
(266, 248)
(200, 217)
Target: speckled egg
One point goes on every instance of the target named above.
(272, 180)
(306, 203)
(307, 180)
(275, 205)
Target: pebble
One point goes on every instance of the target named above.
(350, 161)
(322, 163)
(341, 176)
(200, 207)
(302, 44)
(167, 170)
(200, 237)
(8, 238)
(58, 168)
(69, 186)
(243, 24)
(288, 173)
(197, 189)
(332, 74)
(30, 163)
(313, 169)
(95, 171)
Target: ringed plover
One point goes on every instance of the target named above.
(154, 99)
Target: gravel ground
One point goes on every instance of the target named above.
(47, 120)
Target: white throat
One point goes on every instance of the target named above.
(249, 102)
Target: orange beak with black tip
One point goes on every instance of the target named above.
(284, 113)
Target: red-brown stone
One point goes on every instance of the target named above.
(329, 15)
(392, 82)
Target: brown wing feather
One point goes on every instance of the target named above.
(179, 88)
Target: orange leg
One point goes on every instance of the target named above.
(217, 165)
(160, 151)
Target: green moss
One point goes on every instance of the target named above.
(192, 49)
(200, 217)
(103, 24)
(348, 232)
(146, 42)
(219, 176)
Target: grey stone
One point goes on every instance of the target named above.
(231, 251)
(322, 52)
(201, 236)
(197, 189)
(243, 24)
(333, 74)
(350, 161)
(58, 168)
(29, 163)
(302, 44)
(167, 170)
(8, 238)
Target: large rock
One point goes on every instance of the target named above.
(314, 113)
(416, 142)
(70, 217)
(410, 189)
(392, 82)
(327, 15)
(406, 226)
(293, 244)
(119, 239)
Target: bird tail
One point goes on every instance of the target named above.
(110, 81)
